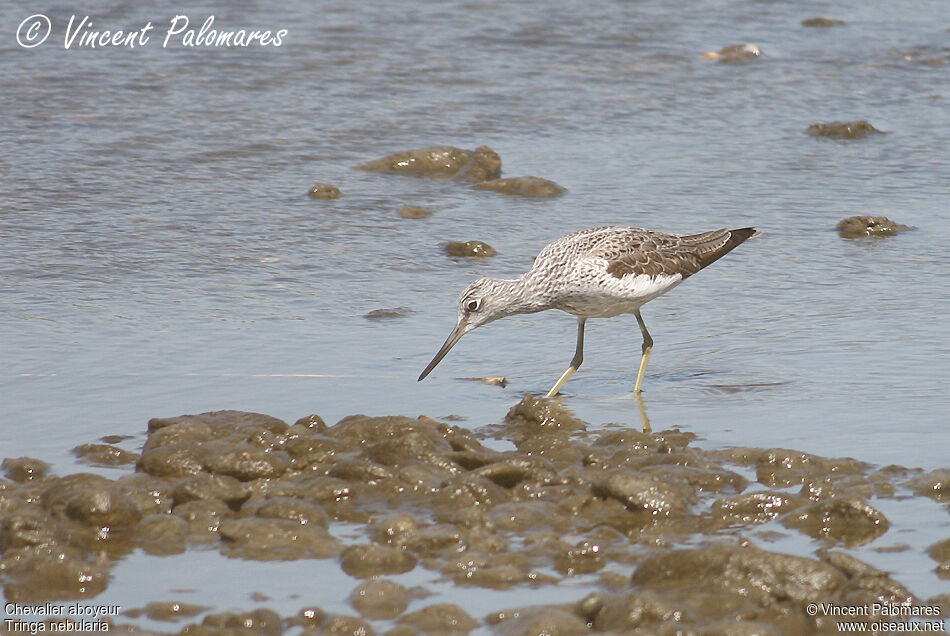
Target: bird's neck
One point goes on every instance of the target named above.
(524, 297)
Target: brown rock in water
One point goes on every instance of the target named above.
(843, 129)
(387, 314)
(41, 576)
(276, 540)
(735, 53)
(366, 560)
(934, 484)
(444, 619)
(434, 161)
(162, 534)
(858, 226)
(841, 519)
(24, 468)
(104, 455)
(754, 507)
(379, 599)
(261, 621)
(522, 186)
(469, 249)
(91, 500)
(642, 493)
(550, 620)
(822, 22)
(324, 191)
(413, 212)
(484, 165)
(168, 611)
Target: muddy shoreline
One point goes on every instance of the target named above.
(663, 530)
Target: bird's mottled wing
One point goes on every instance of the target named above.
(656, 253)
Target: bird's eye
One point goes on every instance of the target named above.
(472, 305)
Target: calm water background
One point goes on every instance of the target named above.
(160, 255)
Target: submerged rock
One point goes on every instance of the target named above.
(523, 186)
(434, 161)
(843, 129)
(469, 249)
(735, 53)
(378, 315)
(24, 468)
(413, 212)
(379, 599)
(484, 165)
(822, 22)
(324, 191)
(858, 226)
(842, 519)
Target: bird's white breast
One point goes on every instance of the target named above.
(601, 295)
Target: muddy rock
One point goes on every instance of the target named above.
(167, 611)
(379, 599)
(276, 540)
(33, 577)
(841, 520)
(781, 468)
(858, 226)
(493, 571)
(203, 518)
(867, 584)
(24, 469)
(735, 53)
(413, 212)
(484, 165)
(641, 493)
(30, 527)
(843, 129)
(324, 191)
(550, 620)
(434, 161)
(940, 551)
(302, 511)
(162, 534)
(248, 463)
(536, 415)
(370, 559)
(934, 484)
(207, 486)
(729, 570)
(104, 455)
(822, 22)
(395, 529)
(754, 507)
(261, 621)
(91, 500)
(442, 619)
(583, 558)
(360, 430)
(523, 186)
(469, 249)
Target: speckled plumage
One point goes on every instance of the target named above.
(595, 273)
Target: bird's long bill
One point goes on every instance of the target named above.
(454, 337)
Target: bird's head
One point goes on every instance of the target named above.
(482, 302)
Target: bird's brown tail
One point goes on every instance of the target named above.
(714, 245)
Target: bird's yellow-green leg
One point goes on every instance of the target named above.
(575, 361)
(644, 418)
(647, 348)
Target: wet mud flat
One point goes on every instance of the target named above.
(663, 533)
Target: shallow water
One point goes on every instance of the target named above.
(161, 255)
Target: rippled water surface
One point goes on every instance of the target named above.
(161, 256)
